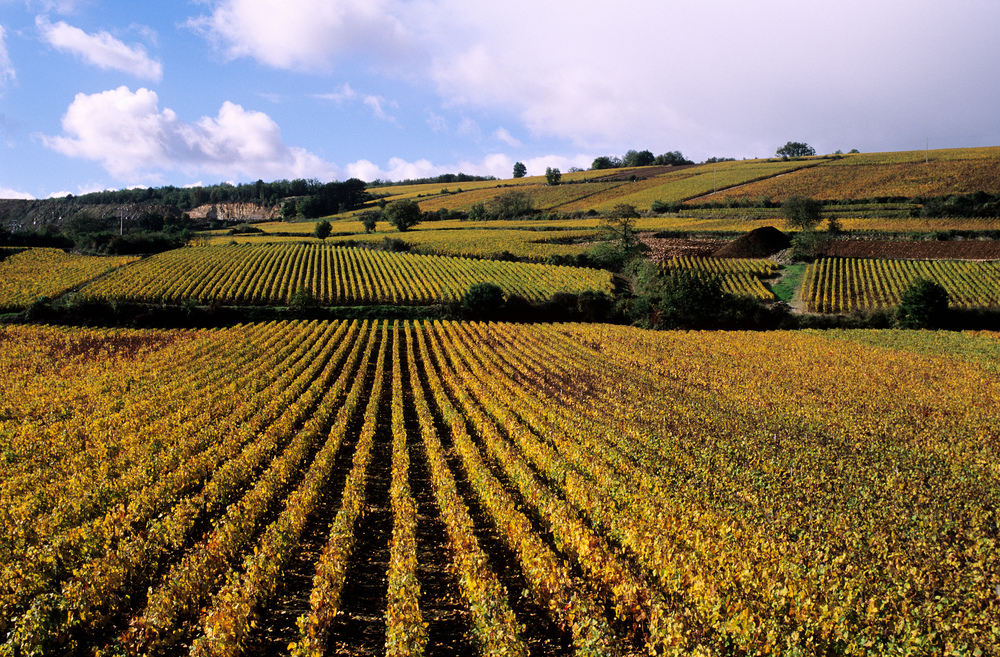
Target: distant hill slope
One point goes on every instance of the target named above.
(849, 176)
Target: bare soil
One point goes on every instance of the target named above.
(905, 250)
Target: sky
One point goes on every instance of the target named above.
(99, 95)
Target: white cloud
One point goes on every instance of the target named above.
(502, 134)
(6, 192)
(7, 73)
(499, 165)
(136, 141)
(469, 128)
(306, 34)
(101, 49)
(437, 122)
(341, 95)
(376, 104)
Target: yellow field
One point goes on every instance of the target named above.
(272, 274)
(565, 489)
(36, 273)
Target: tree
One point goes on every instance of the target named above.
(402, 214)
(673, 158)
(311, 207)
(618, 227)
(520, 171)
(605, 162)
(288, 209)
(510, 205)
(323, 230)
(923, 305)
(801, 212)
(635, 158)
(796, 149)
(369, 219)
(477, 212)
(553, 176)
(482, 300)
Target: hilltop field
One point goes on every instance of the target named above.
(643, 411)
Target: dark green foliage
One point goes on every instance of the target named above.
(795, 149)
(807, 245)
(403, 214)
(510, 205)
(979, 204)
(633, 158)
(801, 212)
(673, 158)
(289, 210)
(478, 212)
(302, 298)
(924, 305)
(323, 229)
(245, 229)
(685, 299)
(311, 207)
(520, 170)
(369, 219)
(483, 301)
(606, 162)
(553, 176)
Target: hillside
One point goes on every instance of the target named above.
(937, 173)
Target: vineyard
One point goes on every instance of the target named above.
(740, 276)
(840, 285)
(314, 488)
(272, 274)
(35, 273)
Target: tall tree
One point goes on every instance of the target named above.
(796, 149)
(520, 171)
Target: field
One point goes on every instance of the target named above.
(740, 276)
(851, 284)
(31, 274)
(272, 274)
(241, 491)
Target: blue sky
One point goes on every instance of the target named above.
(103, 95)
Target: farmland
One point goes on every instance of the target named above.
(264, 443)
(854, 514)
(848, 284)
(273, 274)
(31, 274)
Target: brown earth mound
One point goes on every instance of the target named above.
(926, 250)
(758, 243)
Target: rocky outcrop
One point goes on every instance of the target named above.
(235, 212)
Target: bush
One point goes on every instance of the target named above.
(801, 212)
(482, 301)
(924, 305)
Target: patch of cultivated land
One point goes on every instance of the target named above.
(926, 250)
(664, 248)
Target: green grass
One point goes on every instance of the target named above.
(785, 288)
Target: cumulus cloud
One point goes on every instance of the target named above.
(7, 73)
(134, 140)
(101, 49)
(307, 34)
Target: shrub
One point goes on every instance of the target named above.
(482, 301)
(924, 305)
